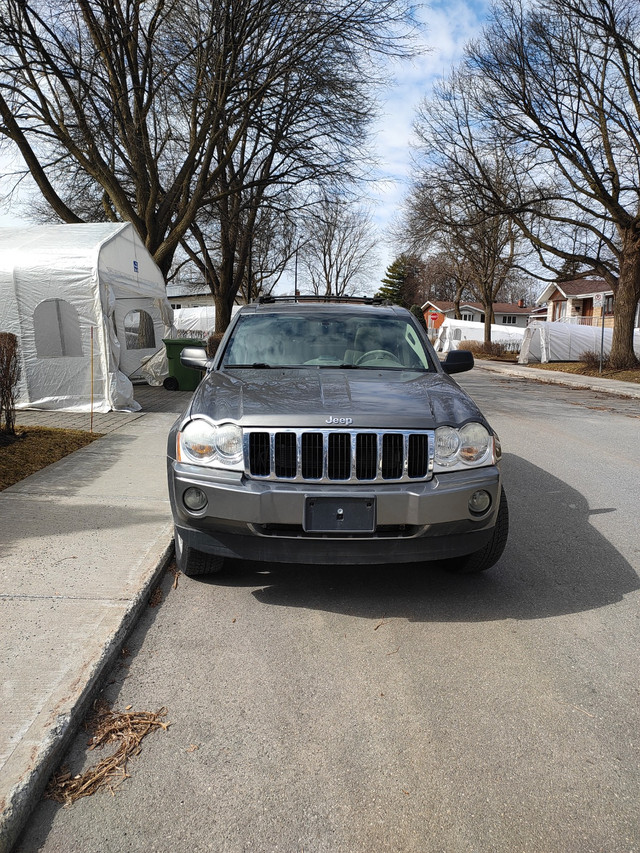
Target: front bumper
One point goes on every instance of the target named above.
(258, 520)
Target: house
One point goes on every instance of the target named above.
(505, 313)
(538, 312)
(581, 301)
(189, 294)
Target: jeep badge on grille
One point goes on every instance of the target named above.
(339, 421)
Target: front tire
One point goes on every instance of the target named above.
(191, 562)
(488, 556)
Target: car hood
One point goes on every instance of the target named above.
(320, 398)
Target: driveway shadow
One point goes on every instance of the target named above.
(555, 563)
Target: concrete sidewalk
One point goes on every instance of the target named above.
(555, 377)
(82, 544)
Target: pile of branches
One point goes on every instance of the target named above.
(107, 727)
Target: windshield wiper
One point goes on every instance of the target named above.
(260, 365)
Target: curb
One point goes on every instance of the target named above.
(23, 797)
(551, 377)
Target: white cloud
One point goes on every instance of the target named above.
(449, 25)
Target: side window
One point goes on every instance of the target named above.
(416, 346)
(56, 328)
(138, 330)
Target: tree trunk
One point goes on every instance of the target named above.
(224, 294)
(622, 356)
(223, 311)
(488, 317)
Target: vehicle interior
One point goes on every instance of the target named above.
(306, 341)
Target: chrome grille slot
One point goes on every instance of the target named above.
(286, 455)
(312, 455)
(339, 456)
(366, 455)
(418, 455)
(392, 456)
(259, 454)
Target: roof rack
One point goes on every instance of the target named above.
(362, 300)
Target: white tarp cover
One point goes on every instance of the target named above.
(544, 342)
(87, 303)
(451, 332)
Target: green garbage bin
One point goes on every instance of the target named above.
(181, 378)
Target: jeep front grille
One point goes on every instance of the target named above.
(339, 456)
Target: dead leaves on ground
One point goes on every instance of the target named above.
(107, 727)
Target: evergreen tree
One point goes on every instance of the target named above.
(417, 312)
(393, 284)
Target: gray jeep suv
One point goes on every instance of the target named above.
(330, 432)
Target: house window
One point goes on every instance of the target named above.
(509, 319)
(138, 330)
(608, 304)
(56, 329)
(468, 317)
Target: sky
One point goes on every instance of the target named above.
(448, 26)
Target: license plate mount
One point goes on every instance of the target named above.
(340, 515)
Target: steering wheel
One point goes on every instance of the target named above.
(377, 355)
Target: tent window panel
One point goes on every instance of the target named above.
(56, 329)
(138, 330)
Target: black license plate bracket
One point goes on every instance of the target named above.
(340, 515)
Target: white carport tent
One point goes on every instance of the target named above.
(544, 342)
(452, 332)
(66, 291)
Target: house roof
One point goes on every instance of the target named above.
(575, 289)
(176, 289)
(498, 307)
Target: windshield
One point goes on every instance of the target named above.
(305, 340)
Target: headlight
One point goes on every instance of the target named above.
(228, 441)
(447, 446)
(203, 443)
(472, 445)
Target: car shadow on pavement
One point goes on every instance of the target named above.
(556, 562)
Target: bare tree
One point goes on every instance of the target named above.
(270, 246)
(557, 86)
(480, 249)
(338, 249)
(165, 111)
(445, 284)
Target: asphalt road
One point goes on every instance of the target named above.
(399, 708)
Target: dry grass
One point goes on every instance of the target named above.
(126, 730)
(33, 448)
(579, 368)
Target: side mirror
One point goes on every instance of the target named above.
(194, 357)
(458, 361)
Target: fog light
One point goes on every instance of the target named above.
(479, 502)
(194, 499)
